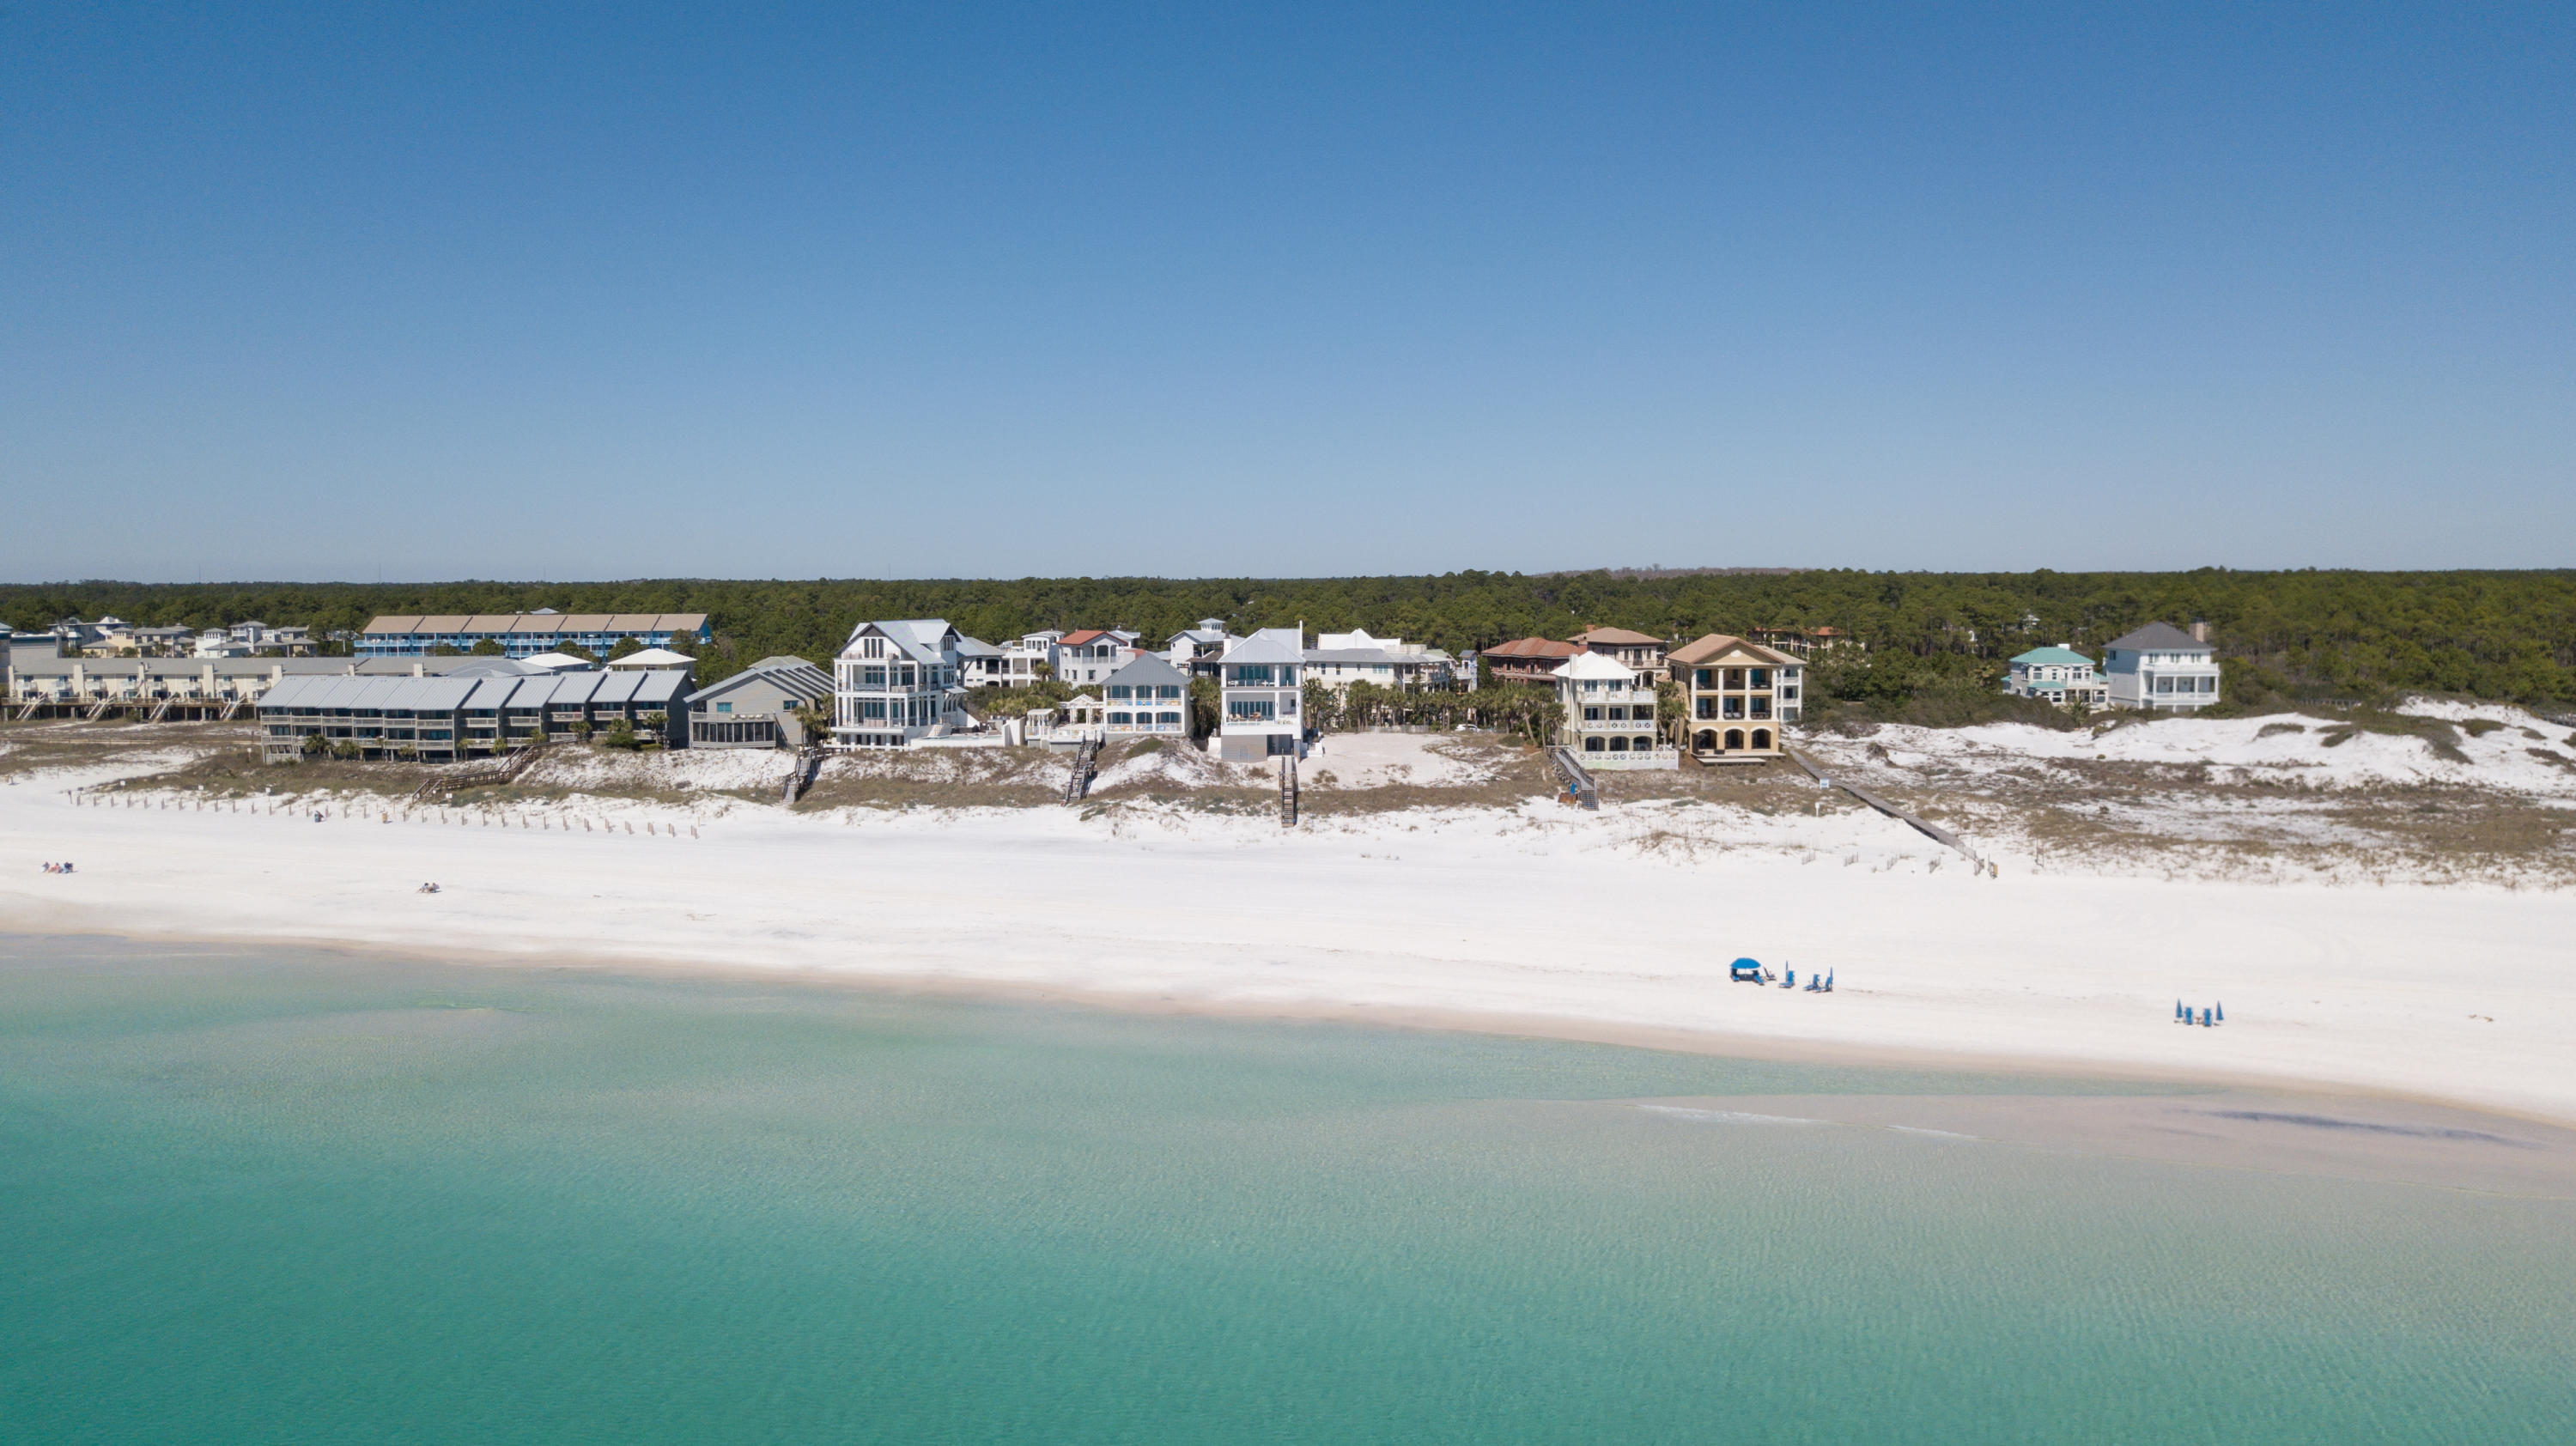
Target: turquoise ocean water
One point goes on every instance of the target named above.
(309, 1199)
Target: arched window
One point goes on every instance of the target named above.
(1618, 745)
(1591, 745)
(1761, 737)
(1645, 745)
(1706, 742)
(1734, 738)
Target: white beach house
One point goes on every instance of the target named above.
(1259, 677)
(2161, 667)
(2060, 675)
(1609, 714)
(896, 683)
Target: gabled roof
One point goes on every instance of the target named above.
(1263, 647)
(1596, 665)
(2160, 638)
(651, 658)
(1710, 647)
(1539, 648)
(1361, 655)
(1150, 670)
(794, 675)
(976, 648)
(2054, 658)
(918, 639)
(1080, 636)
(1616, 637)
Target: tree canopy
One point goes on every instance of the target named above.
(2506, 635)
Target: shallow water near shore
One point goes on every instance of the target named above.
(263, 1195)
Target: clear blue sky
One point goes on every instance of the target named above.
(554, 291)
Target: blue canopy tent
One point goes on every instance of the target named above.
(1744, 971)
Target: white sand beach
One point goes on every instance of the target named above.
(1618, 924)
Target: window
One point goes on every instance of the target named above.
(1761, 678)
(2164, 685)
(1169, 720)
(1250, 674)
(872, 648)
(1592, 745)
(1618, 745)
(1122, 719)
(872, 677)
(1249, 709)
(1618, 715)
(1700, 678)
(1168, 690)
(1735, 677)
(1121, 691)
(724, 707)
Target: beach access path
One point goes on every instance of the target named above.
(1536, 920)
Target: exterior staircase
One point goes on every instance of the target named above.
(1576, 779)
(487, 774)
(809, 762)
(1086, 766)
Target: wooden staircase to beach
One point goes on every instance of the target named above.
(809, 763)
(1086, 766)
(1576, 780)
(491, 773)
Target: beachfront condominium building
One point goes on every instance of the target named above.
(2059, 675)
(1258, 679)
(757, 707)
(2161, 667)
(1609, 714)
(1149, 695)
(896, 683)
(524, 635)
(1735, 695)
(490, 707)
(1643, 655)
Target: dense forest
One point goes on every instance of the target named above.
(2283, 635)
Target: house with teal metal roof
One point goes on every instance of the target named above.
(2061, 675)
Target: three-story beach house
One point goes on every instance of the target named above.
(1609, 714)
(896, 683)
(1258, 679)
(2162, 667)
(1735, 695)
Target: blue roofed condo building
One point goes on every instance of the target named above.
(2058, 675)
(524, 635)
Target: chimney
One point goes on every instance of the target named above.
(2199, 631)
